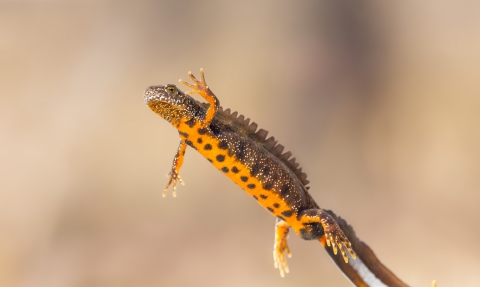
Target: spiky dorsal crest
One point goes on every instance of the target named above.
(260, 136)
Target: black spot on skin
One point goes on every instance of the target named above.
(202, 131)
(270, 209)
(244, 178)
(210, 160)
(207, 147)
(240, 152)
(199, 140)
(263, 196)
(185, 135)
(189, 142)
(235, 169)
(225, 169)
(256, 198)
(276, 205)
(216, 130)
(281, 218)
(220, 157)
(223, 144)
(311, 213)
(255, 169)
(251, 186)
(287, 213)
(183, 153)
(266, 170)
(284, 190)
(267, 185)
(190, 123)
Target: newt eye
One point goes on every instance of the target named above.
(171, 89)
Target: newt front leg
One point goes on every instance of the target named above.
(174, 174)
(201, 88)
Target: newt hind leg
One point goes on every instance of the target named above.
(280, 247)
(311, 219)
(201, 88)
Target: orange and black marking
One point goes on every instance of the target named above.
(256, 164)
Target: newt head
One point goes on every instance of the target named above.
(169, 102)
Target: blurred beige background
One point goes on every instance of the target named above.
(378, 101)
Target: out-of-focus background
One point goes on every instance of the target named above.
(379, 102)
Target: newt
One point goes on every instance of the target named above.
(259, 166)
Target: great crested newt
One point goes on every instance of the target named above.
(260, 167)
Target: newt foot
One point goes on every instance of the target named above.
(174, 179)
(335, 237)
(198, 87)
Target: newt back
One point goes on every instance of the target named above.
(243, 126)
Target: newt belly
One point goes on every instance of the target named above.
(246, 165)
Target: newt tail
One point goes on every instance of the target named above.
(260, 167)
(366, 270)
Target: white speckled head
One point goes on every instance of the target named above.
(168, 94)
(169, 102)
